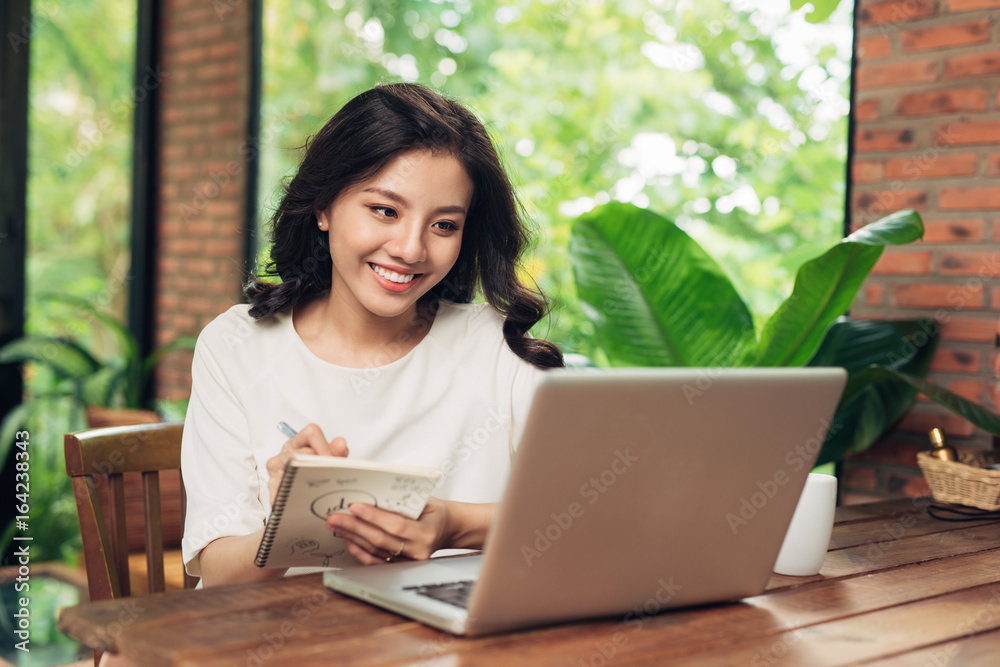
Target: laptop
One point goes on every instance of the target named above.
(633, 491)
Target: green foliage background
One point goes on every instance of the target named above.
(81, 99)
(689, 108)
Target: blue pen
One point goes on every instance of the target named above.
(286, 429)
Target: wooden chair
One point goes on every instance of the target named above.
(110, 453)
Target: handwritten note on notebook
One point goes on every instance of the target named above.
(315, 486)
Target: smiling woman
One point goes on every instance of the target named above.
(399, 214)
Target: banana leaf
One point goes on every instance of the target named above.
(67, 358)
(979, 416)
(870, 404)
(826, 286)
(655, 297)
(128, 362)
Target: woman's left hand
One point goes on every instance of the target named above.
(377, 536)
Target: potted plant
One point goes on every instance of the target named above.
(656, 298)
(73, 389)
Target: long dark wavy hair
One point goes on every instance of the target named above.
(355, 145)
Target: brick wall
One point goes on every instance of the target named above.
(927, 112)
(203, 119)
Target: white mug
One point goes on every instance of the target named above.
(808, 536)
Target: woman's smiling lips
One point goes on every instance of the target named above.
(394, 280)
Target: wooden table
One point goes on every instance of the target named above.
(898, 588)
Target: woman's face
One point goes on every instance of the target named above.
(396, 235)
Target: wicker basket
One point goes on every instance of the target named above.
(963, 482)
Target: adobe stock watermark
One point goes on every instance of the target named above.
(93, 132)
(272, 642)
(778, 651)
(799, 457)
(129, 612)
(605, 651)
(984, 619)
(472, 442)
(592, 490)
(41, 14)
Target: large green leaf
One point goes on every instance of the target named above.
(985, 419)
(898, 228)
(100, 388)
(66, 357)
(126, 341)
(825, 287)
(655, 297)
(869, 406)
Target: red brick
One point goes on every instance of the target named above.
(866, 110)
(866, 171)
(888, 201)
(954, 231)
(931, 165)
(982, 264)
(972, 390)
(225, 50)
(970, 5)
(993, 165)
(206, 32)
(223, 209)
(225, 69)
(884, 140)
(917, 71)
(226, 249)
(852, 498)
(193, 18)
(895, 11)
(996, 230)
(939, 296)
(874, 47)
(921, 420)
(874, 294)
(891, 452)
(956, 361)
(861, 477)
(896, 262)
(908, 485)
(973, 64)
(964, 199)
(971, 329)
(945, 36)
(191, 55)
(976, 132)
(943, 101)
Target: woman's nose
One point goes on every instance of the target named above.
(407, 244)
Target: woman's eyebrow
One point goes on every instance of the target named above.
(400, 199)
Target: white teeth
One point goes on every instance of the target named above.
(391, 275)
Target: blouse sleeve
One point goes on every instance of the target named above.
(220, 476)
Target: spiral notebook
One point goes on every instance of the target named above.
(316, 486)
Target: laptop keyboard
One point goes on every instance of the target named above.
(455, 593)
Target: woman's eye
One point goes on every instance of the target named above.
(384, 211)
(446, 226)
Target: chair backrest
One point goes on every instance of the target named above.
(110, 453)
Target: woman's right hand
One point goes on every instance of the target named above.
(310, 440)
